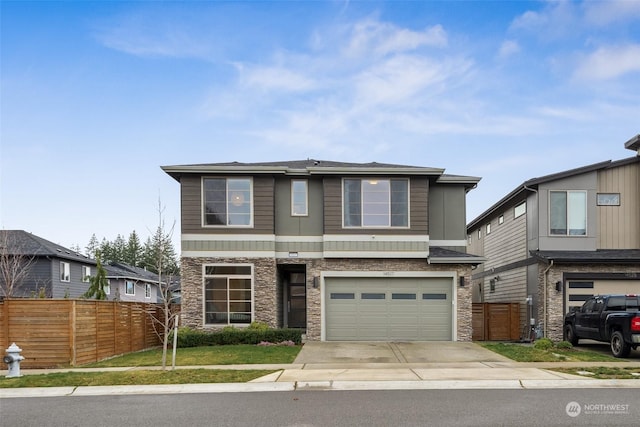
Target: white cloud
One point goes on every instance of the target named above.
(378, 38)
(276, 78)
(556, 19)
(508, 48)
(609, 62)
(601, 13)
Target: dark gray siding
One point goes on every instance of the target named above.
(418, 218)
(191, 208)
(39, 276)
(75, 287)
(447, 212)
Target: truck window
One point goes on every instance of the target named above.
(588, 306)
(632, 303)
(598, 305)
(616, 304)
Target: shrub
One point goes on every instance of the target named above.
(229, 335)
(258, 326)
(543, 344)
(564, 345)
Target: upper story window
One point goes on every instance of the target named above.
(608, 199)
(520, 210)
(86, 273)
(568, 213)
(147, 290)
(299, 197)
(65, 272)
(501, 219)
(129, 287)
(227, 202)
(107, 287)
(488, 229)
(376, 202)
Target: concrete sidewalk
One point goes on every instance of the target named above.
(366, 366)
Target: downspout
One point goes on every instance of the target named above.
(545, 297)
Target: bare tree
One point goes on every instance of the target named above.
(163, 263)
(15, 264)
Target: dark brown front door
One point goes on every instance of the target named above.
(297, 301)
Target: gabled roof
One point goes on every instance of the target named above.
(519, 194)
(22, 243)
(121, 270)
(601, 256)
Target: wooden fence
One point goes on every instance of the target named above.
(66, 332)
(496, 321)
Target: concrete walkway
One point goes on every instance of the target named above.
(367, 366)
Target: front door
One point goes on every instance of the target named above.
(297, 301)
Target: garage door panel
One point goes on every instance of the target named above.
(578, 291)
(405, 309)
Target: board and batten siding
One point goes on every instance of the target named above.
(619, 226)
(191, 212)
(418, 213)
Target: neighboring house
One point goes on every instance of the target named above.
(345, 251)
(129, 283)
(554, 241)
(49, 270)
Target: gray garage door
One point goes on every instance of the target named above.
(388, 309)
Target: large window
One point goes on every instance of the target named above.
(228, 294)
(299, 198)
(129, 287)
(568, 213)
(227, 201)
(65, 272)
(376, 202)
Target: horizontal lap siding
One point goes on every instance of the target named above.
(418, 210)
(263, 208)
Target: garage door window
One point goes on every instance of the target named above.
(228, 294)
(342, 296)
(373, 296)
(403, 296)
(434, 296)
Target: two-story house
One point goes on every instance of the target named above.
(129, 283)
(35, 267)
(556, 240)
(346, 251)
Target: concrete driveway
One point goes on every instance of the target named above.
(352, 352)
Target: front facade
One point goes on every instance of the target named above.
(554, 241)
(344, 251)
(129, 283)
(46, 269)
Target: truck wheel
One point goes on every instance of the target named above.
(619, 348)
(570, 335)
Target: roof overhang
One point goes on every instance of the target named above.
(633, 144)
(602, 256)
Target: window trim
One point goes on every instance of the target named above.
(383, 227)
(226, 179)
(249, 276)
(306, 197)
(501, 220)
(126, 282)
(85, 277)
(488, 229)
(147, 291)
(65, 272)
(586, 213)
(601, 199)
(107, 287)
(522, 205)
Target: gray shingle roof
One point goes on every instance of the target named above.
(603, 256)
(22, 243)
(123, 270)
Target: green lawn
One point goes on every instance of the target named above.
(602, 372)
(178, 376)
(527, 353)
(213, 355)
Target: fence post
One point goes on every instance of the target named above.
(72, 331)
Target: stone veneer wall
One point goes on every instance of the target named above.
(268, 307)
(555, 300)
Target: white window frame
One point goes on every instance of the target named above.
(65, 271)
(488, 229)
(520, 210)
(568, 209)
(501, 219)
(206, 276)
(479, 233)
(126, 287)
(294, 205)
(107, 288)
(373, 180)
(608, 199)
(147, 291)
(86, 273)
(227, 202)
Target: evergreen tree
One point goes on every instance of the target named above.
(119, 246)
(106, 252)
(97, 283)
(133, 250)
(92, 247)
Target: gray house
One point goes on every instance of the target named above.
(129, 283)
(556, 240)
(345, 251)
(47, 269)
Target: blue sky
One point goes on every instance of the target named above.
(96, 96)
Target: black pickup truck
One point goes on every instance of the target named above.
(608, 318)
